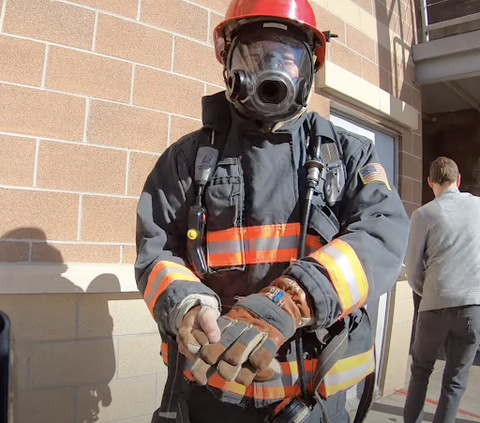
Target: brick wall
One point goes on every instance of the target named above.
(84, 358)
(91, 92)
(455, 135)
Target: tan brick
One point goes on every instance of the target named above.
(127, 8)
(416, 99)
(385, 59)
(49, 406)
(409, 207)
(51, 363)
(406, 188)
(320, 104)
(43, 215)
(81, 168)
(417, 192)
(12, 252)
(215, 20)
(88, 74)
(365, 4)
(22, 60)
(127, 127)
(133, 41)
(327, 21)
(36, 317)
(129, 254)
(139, 355)
(108, 219)
(407, 141)
(17, 160)
(360, 43)
(385, 80)
(346, 58)
(177, 16)
(140, 167)
(182, 126)
(50, 21)
(370, 72)
(75, 253)
(410, 166)
(167, 92)
(197, 60)
(417, 145)
(129, 314)
(213, 89)
(130, 398)
(37, 112)
(404, 92)
(217, 5)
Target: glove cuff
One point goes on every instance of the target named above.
(273, 314)
(290, 296)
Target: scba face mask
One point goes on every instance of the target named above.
(269, 73)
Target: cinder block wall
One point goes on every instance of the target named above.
(84, 358)
(91, 92)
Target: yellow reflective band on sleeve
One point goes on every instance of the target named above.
(346, 273)
(347, 372)
(161, 277)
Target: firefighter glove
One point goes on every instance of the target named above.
(251, 334)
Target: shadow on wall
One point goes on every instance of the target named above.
(394, 69)
(63, 345)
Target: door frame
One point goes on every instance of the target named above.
(342, 111)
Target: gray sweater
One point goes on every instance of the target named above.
(443, 256)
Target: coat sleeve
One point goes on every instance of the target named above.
(162, 272)
(415, 258)
(364, 260)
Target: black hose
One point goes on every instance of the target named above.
(299, 333)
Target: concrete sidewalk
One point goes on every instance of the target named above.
(390, 409)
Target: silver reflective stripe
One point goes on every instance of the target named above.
(224, 247)
(357, 372)
(161, 276)
(344, 263)
(254, 244)
(168, 415)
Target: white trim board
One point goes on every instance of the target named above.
(335, 80)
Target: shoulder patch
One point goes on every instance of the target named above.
(373, 172)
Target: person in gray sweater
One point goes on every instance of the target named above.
(443, 267)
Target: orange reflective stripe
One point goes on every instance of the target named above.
(161, 277)
(233, 234)
(346, 274)
(256, 244)
(313, 241)
(226, 259)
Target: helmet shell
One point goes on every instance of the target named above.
(296, 12)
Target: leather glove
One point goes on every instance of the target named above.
(251, 334)
(198, 317)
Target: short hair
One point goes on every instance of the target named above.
(444, 171)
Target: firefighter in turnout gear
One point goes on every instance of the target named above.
(262, 236)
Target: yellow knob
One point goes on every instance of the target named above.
(192, 234)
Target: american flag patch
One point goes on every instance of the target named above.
(373, 172)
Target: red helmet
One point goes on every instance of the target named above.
(296, 12)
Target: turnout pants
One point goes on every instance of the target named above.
(203, 407)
